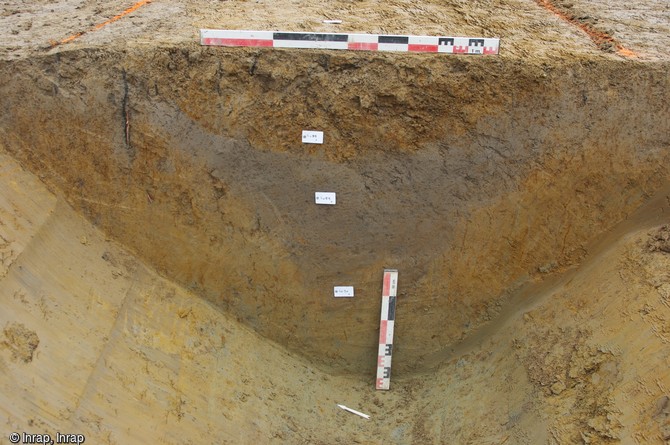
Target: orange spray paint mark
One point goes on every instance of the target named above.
(598, 37)
(103, 24)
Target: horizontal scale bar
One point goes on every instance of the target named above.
(358, 42)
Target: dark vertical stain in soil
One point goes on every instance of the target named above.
(125, 110)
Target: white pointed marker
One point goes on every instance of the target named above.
(353, 411)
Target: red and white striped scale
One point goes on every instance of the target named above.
(365, 42)
(389, 293)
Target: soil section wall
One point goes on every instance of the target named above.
(471, 176)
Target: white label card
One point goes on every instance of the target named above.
(329, 198)
(312, 137)
(344, 291)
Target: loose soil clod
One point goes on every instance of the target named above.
(21, 341)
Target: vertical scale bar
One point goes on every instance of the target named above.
(386, 325)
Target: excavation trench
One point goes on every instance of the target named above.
(471, 176)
